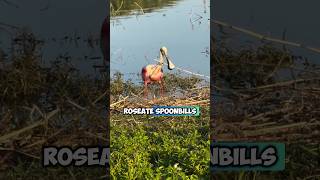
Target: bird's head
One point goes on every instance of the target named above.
(164, 52)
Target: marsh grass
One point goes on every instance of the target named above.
(268, 94)
(130, 7)
(39, 106)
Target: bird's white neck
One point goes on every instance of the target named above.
(161, 59)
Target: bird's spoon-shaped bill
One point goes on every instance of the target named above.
(170, 64)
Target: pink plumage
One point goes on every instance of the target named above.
(153, 73)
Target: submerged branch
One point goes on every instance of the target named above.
(264, 37)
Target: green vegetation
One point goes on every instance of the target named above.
(157, 148)
(147, 147)
(126, 7)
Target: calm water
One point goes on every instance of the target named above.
(137, 36)
(272, 17)
(53, 21)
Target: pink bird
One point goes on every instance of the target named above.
(153, 73)
(104, 42)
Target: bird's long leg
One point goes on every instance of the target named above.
(145, 90)
(161, 88)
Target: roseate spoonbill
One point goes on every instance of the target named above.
(104, 42)
(153, 72)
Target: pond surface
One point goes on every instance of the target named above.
(68, 28)
(137, 35)
(298, 19)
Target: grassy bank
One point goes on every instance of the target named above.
(156, 148)
(149, 147)
(268, 94)
(57, 105)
